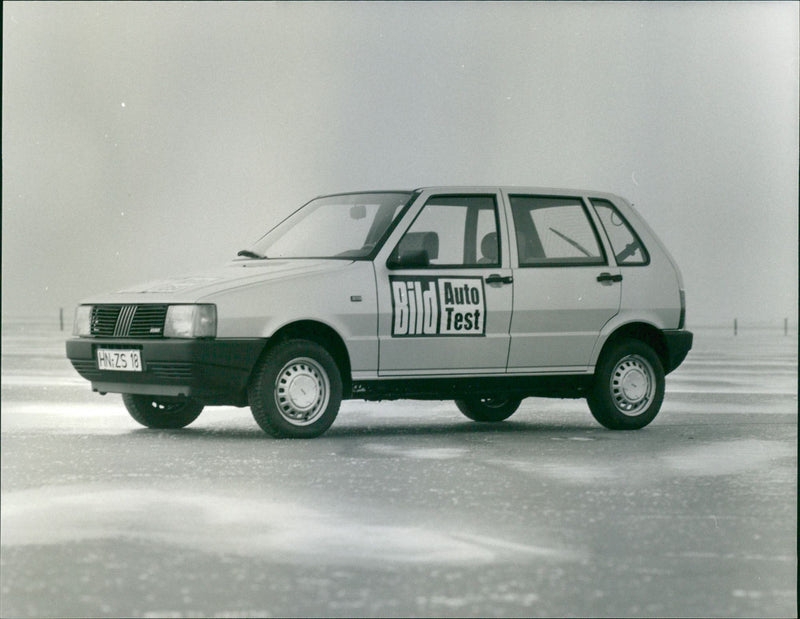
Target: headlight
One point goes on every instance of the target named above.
(191, 321)
(82, 326)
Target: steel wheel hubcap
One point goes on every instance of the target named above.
(632, 385)
(302, 391)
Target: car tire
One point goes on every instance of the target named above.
(628, 386)
(296, 390)
(162, 413)
(488, 410)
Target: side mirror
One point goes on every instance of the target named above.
(415, 251)
(414, 259)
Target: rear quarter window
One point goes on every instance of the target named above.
(628, 247)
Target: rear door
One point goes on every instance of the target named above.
(564, 288)
(445, 293)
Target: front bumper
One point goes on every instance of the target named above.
(678, 344)
(213, 371)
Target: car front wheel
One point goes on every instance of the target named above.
(490, 410)
(163, 413)
(628, 386)
(296, 390)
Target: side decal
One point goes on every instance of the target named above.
(437, 306)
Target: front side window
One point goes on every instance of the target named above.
(451, 231)
(554, 231)
(344, 226)
(628, 248)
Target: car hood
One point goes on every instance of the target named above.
(195, 287)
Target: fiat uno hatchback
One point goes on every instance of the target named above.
(483, 295)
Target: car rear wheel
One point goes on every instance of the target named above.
(628, 386)
(163, 413)
(296, 390)
(491, 410)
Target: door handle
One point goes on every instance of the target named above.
(608, 277)
(499, 279)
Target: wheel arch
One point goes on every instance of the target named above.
(322, 334)
(645, 333)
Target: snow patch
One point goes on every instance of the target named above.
(44, 381)
(65, 409)
(721, 458)
(727, 458)
(228, 524)
(418, 453)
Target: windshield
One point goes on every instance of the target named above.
(344, 226)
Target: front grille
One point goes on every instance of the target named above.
(139, 321)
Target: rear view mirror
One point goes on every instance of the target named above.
(358, 211)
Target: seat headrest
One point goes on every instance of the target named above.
(489, 246)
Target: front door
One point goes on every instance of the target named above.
(445, 293)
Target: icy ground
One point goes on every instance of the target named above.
(405, 508)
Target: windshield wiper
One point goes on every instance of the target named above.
(575, 244)
(250, 254)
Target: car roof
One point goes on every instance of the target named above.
(511, 189)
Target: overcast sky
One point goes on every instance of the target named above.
(143, 140)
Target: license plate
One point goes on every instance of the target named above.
(119, 360)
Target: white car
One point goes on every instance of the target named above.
(484, 295)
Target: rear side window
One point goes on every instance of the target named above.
(555, 231)
(628, 248)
